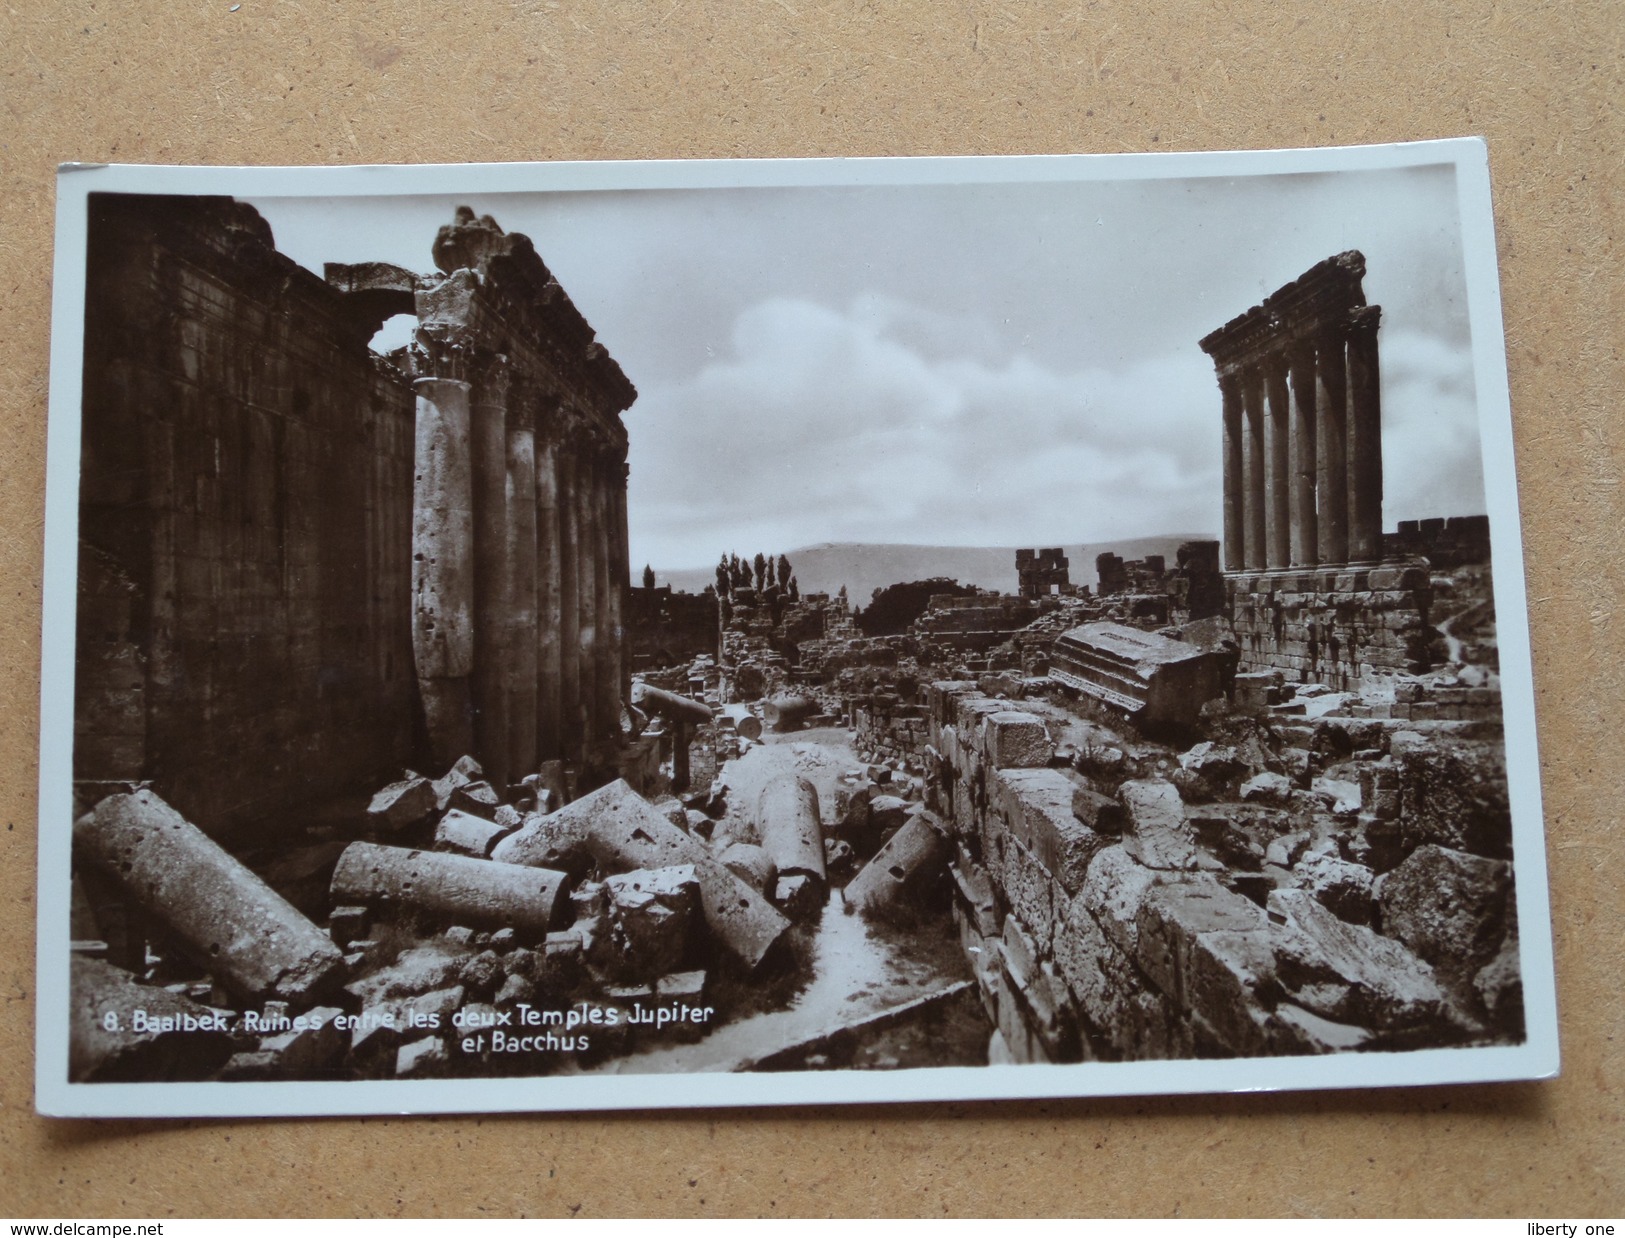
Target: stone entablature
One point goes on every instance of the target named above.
(1302, 460)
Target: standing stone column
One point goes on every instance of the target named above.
(1331, 467)
(1277, 464)
(569, 716)
(549, 603)
(1364, 437)
(623, 674)
(1252, 470)
(519, 661)
(442, 565)
(1301, 383)
(488, 437)
(588, 542)
(1234, 515)
(609, 640)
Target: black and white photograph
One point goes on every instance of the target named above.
(527, 637)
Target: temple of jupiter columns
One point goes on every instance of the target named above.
(1309, 588)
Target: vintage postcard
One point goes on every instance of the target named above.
(585, 636)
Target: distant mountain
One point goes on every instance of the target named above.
(863, 568)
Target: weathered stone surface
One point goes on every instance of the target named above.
(1155, 680)
(1453, 793)
(458, 888)
(798, 896)
(1171, 919)
(1343, 887)
(1448, 906)
(1229, 982)
(421, 1057)
(175, 1039)
(1267, 788)
(247, 936)
(1113, 892)
(347, 924)
(401, 805)
(751, 864)
(420, 970)
(463, 831)
(788, 824)
(1499, 986)
(1100, 813)
(481, 974)
(1156, 834)
(652, 913)
(1037, 806)
(907, 864)
(314, 1043)
(465, 770)
(1302, 1031)
(1013, 739)
(1098, 974)
(1349, 973)
(621, 830)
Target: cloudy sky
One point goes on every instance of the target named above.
(1010, 364)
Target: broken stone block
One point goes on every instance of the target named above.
(249, 1066)
(476, 836)
(1156, 833)
(839, 858)
(682, 986)
(1448, 906)
(503, 940)
(1343, 887)
(459, 935)
(1230, 984)
(1174, 915)
(347, 924)
(229, 921)
(651, 913)
(1499, 986)
(478, 799)
(698, 824)
(401, 805)
(1348, 973)
(464, 771)
(123, 1031)
(313, 1043)
(515, 989)
(481, 974)
(1037, 805)
(1113, 891)
(1254, 691)
(620, 830)
(1150, 678)
(419, 970)
(1014, 739)
(421, 1057)
(459, 888)
(798, 896)
(1267, 788)
(1341, 796)
(1302, 1031)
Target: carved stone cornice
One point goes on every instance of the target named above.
(1319, 299)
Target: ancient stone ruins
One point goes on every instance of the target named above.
(386, 768)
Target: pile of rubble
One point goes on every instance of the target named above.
(461, 923)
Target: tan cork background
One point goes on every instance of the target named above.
(414, 81)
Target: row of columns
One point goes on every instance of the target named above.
(519, 572)
(1303, 450)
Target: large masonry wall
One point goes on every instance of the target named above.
(245, 521)
(1127, 913)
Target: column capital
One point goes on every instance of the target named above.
(1364, 320)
